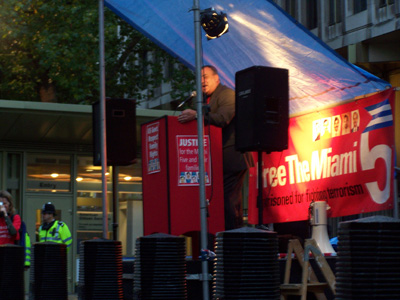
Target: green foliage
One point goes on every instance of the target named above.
(49, 51)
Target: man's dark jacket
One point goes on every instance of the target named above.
(222, 112)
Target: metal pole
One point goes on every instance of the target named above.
(259, 197)
(396, 194)
(103, 134)
(115, 171)
(199, 106)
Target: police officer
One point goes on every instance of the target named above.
(27, 245)
(53, 230)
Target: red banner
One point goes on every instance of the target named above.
(343, 155)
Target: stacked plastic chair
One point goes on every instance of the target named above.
(49, 272)
(160, 267)
(368, 264)
(12, 259)
(246, 265)
(100, 270)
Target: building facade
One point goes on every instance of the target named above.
(46, 155)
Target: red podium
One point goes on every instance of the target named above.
(170, 167)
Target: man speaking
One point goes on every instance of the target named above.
(221, 100)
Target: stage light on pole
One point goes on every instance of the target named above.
(214, 24)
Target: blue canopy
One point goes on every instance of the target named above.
(260, 34)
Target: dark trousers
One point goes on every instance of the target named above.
(233, 183)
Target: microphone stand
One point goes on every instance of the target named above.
(206, 111)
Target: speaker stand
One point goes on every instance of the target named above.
(259, 196)
(115, 172)
(260, 192)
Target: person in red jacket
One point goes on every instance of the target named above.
(10, 222)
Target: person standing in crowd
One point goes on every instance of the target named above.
(53, 230)
(10, 222)
(235, 164)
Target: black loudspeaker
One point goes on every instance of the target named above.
(262, 109)
(120, 132)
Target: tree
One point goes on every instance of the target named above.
(49, 52)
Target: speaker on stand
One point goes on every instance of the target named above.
(262, 114)
(120, 139)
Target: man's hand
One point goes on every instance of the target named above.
(187, 115)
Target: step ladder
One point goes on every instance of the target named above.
(309, 281)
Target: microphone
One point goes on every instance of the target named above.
(192, 95)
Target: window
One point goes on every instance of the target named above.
(89, 177)
(359, 6)
(89, 199)
(48, 173)
(290, 7)
(13, 177)
(157, 91)
(168, 69)
(383, 3)
(312, 14)
(335, 12)
(144, 56)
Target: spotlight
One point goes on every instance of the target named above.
(213, 24)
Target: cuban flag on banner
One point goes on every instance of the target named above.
(377, 146)
(381, 116)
